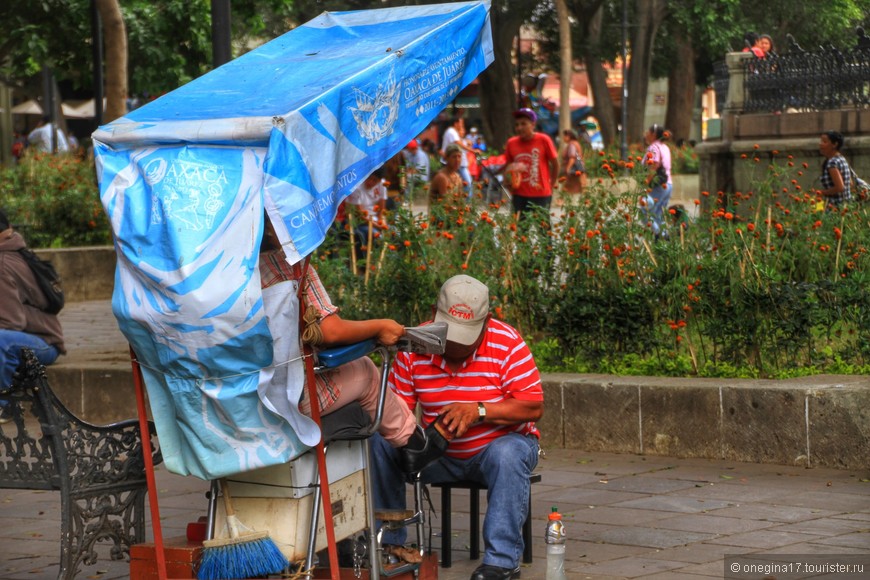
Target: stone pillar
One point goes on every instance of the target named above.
(736, 95)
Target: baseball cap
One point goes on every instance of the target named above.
(451, 149)
(412, 144)
(463, 304)
(527, 113)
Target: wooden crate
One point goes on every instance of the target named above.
(182, 558)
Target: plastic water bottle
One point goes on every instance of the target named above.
(555, 546)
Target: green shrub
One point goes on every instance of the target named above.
(54, 201)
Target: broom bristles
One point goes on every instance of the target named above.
(247, 556)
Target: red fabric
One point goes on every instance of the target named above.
(502, 368)
(532, 158)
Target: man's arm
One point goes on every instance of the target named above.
(337, 331)
(458, 417)
(438, 186)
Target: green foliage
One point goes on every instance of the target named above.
(54, 201)
(762, 283)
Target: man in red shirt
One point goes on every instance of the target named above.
(484, 394)
(532, 164)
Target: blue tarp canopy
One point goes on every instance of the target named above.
(290, 128)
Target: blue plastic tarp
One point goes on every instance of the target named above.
(290, 128)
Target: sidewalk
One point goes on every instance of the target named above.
(626, 516)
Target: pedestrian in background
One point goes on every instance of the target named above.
(658, 161)
(572, 168)
(836, 177)
(532, 164)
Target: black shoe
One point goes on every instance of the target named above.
(487, 572)
(424, 447)
(5, 414)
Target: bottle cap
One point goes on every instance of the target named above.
(555, 515)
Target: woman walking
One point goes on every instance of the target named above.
(836, 177)
(658, 161)
(573, 168)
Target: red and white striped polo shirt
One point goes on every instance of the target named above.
(502, 368)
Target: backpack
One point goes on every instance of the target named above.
(47, 278)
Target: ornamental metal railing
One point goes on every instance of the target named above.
(800, 80)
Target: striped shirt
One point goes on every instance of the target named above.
(274, 269)
(502, 368)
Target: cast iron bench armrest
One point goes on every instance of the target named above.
(99, 470)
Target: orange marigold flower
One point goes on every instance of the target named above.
(705, 193)
(755, 146)
(392, 247)
(590, 234)
(743, 156)
(407, 243)
(838, 233)
(464, 266)
(750, 226)
(697, 202)
(729, 215)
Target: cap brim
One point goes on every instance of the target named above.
(464, 334)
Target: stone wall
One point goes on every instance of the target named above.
(87, 273)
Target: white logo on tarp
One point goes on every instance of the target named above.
(185, 192)
(376, 115)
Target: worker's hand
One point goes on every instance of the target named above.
(390, 332)
(456, 418)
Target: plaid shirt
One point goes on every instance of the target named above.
(840, 164)
(274, 269)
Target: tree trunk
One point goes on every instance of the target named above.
(567, 66)
(681, 90)
(603, 107)
(649, 15)
(115, 37)
(498, 97)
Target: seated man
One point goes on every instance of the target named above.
(352, 381)
(484, 396)
(23, 321)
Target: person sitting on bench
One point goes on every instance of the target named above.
(483, 395)
(24, 323)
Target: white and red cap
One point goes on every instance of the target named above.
(463, 304)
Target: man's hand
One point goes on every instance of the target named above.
(390, 332)
(456, 418)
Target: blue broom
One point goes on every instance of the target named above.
(242, 555)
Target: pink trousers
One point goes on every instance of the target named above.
(359, 380)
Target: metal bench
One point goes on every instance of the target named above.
(99, 471)
(474, 514)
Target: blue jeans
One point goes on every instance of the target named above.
(466, 178)
(504, 467)
(656, 204)
(11, 343)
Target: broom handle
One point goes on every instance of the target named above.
(232, 521)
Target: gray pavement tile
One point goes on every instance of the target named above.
(774, 513)
(617, 516)
(594, 552)
(764, 539)
(584, 496)
(841, 502)
(555, 477)
(863, 516)
(825, 526)
(711, 524)
(736, 493)
(860, 540)
(709, 569)
(675, 504)
(819, 549)
(647, 484)
(650, 537)
(697, 553)
(678, 575)
(632, 567)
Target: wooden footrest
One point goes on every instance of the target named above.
(394, 515)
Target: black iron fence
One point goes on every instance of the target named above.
(801, 80)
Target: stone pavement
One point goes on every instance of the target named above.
(626, 516)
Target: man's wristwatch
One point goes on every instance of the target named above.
(481, 413)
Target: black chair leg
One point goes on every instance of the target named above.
(527, 534)
(474, 515)
(446, 531)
